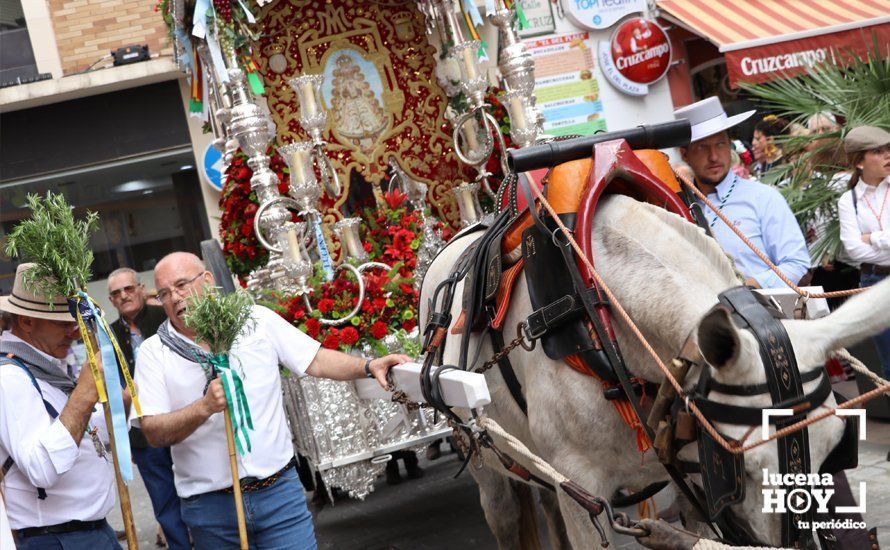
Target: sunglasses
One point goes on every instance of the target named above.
(129, 289)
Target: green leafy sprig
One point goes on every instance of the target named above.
(218, 318)
(56, 243)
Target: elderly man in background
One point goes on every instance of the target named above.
(58, 480)
(757, 210)
(137, 322)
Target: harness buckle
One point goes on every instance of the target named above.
(524, 332)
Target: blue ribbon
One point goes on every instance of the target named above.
(473, 11)
(187, 51)
(326, 264)
(115, 395)
(219, 66)
(200, 18)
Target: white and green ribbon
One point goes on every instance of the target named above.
(236, 400)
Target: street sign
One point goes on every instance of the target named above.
(212, 167)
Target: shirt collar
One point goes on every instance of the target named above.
(862, 187)
(61, 364)
(723, 187)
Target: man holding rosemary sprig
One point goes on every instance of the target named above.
(178, 412)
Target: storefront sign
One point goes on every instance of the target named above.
(565, 86)
(211, 167)
(600, 14)
(793, 57)
(539, 14)
(638, 54)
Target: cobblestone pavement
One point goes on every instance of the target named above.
(439, 512)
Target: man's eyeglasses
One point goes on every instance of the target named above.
(129, 289)
(178, 287)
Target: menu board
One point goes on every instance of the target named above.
(565, 84)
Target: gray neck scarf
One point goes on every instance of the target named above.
(41, 367)
(187, 351)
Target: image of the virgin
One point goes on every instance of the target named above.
(354, 91)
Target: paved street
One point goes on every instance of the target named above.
(438, 512)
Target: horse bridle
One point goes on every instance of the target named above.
(722, 471)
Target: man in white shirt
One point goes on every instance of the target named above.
(58, 480)
(177, 412)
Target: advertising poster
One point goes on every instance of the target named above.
(565, 85)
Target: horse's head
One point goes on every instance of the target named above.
(735, 356)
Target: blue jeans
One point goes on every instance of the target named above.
(276, 517)
(156, 468)
(97, 539)
(882, 340)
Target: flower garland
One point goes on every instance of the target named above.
(239, 204)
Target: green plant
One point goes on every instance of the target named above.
(217, 318)
(56, 243)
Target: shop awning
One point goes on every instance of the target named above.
(768, 39)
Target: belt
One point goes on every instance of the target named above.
(872, 269)
(67, 527)
(251, 484)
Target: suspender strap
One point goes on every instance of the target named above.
(11, 359)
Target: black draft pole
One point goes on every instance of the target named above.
(653, 136)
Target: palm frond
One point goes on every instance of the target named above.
(856, 91)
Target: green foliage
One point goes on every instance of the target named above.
(859, 94)
(59, 245)
(217, 318)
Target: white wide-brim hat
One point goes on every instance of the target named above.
(707, 118)
(24, 302)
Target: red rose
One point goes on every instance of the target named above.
(349, 336)
(332, 340)
(325, 305)
(247, 228)
(312, 327)
(379, 330)
(409, 324)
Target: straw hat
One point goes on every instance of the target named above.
(707, 118)
(24, 302)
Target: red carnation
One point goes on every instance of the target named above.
(332, 340)
(379, 330)
(325, 305)
(349, 336)
(409, 324)
(312, 327)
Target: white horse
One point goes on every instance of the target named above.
(667, 273)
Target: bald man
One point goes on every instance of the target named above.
(180, 414)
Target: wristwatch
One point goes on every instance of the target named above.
(368, 369)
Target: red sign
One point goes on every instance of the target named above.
(641, 50)
(791, 58)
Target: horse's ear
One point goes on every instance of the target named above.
(718, 338)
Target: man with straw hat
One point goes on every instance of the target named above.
(757, 210)
(181, 403)
(57, 479)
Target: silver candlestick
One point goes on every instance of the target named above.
(314, 119)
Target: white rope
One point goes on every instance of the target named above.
(708, 544)
(490, 425)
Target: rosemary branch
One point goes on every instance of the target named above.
(56, 243)
(218, 318)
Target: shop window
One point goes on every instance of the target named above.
(16, 56)
(148, 206)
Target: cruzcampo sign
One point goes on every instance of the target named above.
(638, 54)
(600, 14)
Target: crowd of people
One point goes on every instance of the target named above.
(53, 436)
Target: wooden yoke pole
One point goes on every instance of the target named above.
(236, 481)
(123, 491)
